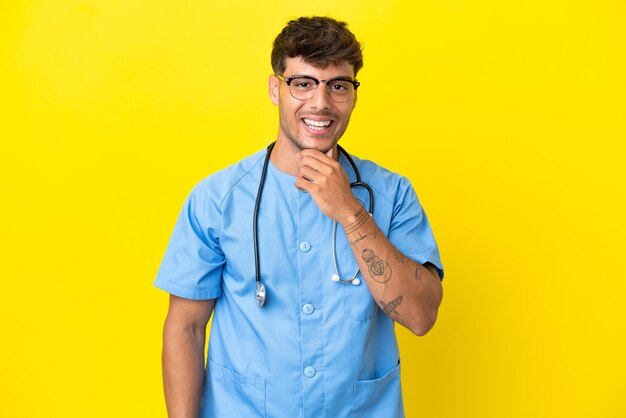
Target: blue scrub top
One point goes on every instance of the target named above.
(317, 348)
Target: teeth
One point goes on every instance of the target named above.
(317, 123)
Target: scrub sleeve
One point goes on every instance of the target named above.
(192, 265)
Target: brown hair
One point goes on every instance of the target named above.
(319, 41)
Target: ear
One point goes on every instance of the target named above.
(273, 88)
(356, 95)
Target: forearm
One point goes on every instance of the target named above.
(183, 369)
(405, 290)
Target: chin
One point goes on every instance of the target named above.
(302, 142)
(321, 145)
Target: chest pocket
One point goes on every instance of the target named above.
(358, 303)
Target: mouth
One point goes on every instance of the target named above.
(317, 127)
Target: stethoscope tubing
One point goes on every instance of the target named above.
(358, 182)
(255, 218)
(260, 294)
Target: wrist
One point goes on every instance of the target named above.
(355, 220)
(350, 214)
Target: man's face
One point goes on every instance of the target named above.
(318, 122)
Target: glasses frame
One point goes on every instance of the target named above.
(288, 81)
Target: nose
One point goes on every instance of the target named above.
(321, 99)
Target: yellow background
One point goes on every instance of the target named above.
(508, 117)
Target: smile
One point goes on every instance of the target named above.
(317, 125)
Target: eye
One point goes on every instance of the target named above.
(302, 83)
(339, 86)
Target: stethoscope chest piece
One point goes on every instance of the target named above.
(260, 294)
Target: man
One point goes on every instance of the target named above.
(311, 338)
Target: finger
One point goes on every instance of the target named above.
(311, 175)
(318, 161)
(305, 185)
(323, 167)
(309, 152)
(313, 152)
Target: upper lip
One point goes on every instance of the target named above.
(318, 118)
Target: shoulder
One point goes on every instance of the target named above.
(220, 184)
(386, 183)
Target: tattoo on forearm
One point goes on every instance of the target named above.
(379, 269)
(389, 308)
(354, 243)
(361, 217)
(399, 256)
(361, 237)
(418, 272)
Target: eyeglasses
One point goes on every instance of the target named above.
(303, 87)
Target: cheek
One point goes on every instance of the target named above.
(288, 120)
(292, 111)
(346, 115)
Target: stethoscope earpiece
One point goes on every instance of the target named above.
(353, 281)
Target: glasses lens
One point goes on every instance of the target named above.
(340, 90)
(302, 88)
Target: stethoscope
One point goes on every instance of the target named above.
(261, 291)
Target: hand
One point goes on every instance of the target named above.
(323, 178)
